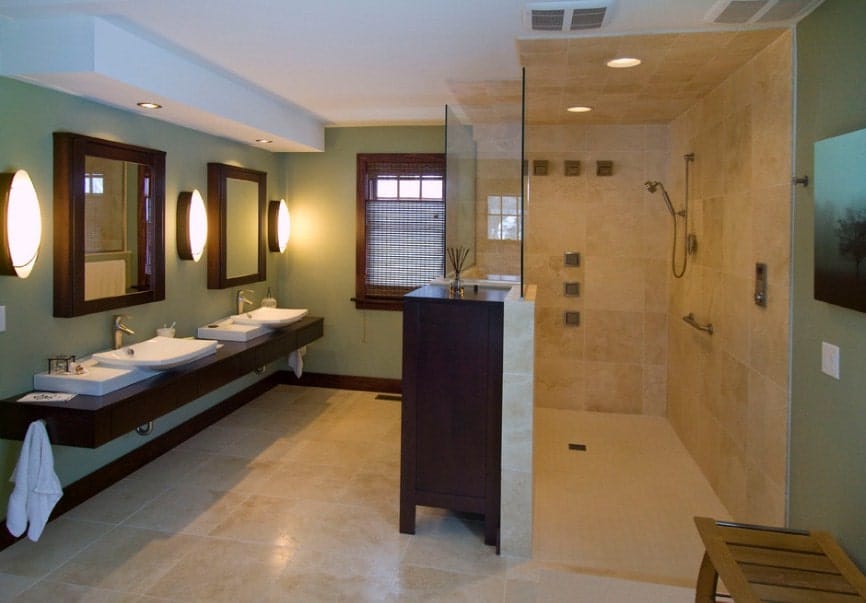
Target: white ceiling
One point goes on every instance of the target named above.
(284, 69)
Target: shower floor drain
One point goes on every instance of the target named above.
(577, 447)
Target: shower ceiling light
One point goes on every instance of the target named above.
(579, 109)
(623, 62)
(149, 105)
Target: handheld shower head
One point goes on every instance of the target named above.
(653, 185)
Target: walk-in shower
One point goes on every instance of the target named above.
(690, 244)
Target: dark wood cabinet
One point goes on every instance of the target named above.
(452, 404)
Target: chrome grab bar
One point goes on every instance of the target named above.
(690, 320)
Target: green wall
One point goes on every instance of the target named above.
(828, 417)
(319, 272)
(30, 116)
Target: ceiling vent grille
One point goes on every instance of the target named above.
(577, 15)
(783, 10)
(738, 12)
(548, 20)
(587, 18)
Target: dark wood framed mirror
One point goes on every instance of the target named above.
(236, 205)
(109, 225)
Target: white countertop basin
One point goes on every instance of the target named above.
(95, 381)
(226, 329)
(158, 353)
(274, 318)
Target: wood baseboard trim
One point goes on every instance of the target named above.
(365, 384)
(91, 484)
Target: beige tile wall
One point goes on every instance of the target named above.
(497, 173)
(727, 394)
(616, 359)
(515, 538)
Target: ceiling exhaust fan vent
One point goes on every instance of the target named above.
(783, 10)
(739, 12)
(548, 20)
(576, 15)
(587, 18)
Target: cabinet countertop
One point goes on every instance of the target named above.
(90, 421)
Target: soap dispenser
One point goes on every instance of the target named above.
(268, 301)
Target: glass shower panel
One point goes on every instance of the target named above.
(484, 178)
(460, 176)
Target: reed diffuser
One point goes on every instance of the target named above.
(457, 256)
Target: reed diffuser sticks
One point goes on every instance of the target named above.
(457, 256)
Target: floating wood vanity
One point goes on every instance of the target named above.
(452, 404)
(91, 421)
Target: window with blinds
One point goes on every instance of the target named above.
(401, 226)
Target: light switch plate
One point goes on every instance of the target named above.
(2, 319)
(830, 359)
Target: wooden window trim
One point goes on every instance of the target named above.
(362, 301)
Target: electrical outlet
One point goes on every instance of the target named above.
(2, 319)
(830, 359)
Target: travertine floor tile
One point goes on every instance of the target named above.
(117, 502)
(74, 593)
(126, 559)
(186, 509)
(295, 497)
(11, 586)
(62, 539)
(623, 505)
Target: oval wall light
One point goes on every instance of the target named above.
(191, 225)
(279, 225)
(20, 224)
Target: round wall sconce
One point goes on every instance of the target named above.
(20, 224)
(279, 225)
(191, 225)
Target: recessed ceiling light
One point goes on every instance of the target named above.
(264, 140)
(579, 109)
(623, 62)
(149, 105)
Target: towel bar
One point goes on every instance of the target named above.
(690, 320)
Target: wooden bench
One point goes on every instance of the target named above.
(758, 563)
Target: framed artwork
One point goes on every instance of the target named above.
(840, 220)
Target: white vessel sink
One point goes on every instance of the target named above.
(270, 317)
(159, 353)
(95, 381)
(226, 329)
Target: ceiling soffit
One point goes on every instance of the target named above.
(677, 70)
(93, 58)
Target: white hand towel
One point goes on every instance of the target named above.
(37, 488)
(296, 361)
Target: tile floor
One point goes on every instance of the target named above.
(626, 504)
(294, 497)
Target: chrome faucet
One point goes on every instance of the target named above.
(119, 329)
(243, 300)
